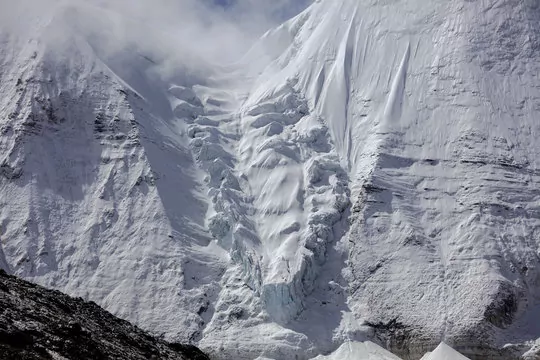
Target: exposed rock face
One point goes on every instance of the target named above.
(37, 323)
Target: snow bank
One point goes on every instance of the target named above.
(359, 351)
(444, 352)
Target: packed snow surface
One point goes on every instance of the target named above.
(367, 171)
(443, 352)
(359, 351)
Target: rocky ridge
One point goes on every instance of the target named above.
(37, 323)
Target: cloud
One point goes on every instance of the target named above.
(271, 11)
(169, 32)
(214, 29)
(260, 14)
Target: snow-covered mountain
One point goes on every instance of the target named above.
(367, 171)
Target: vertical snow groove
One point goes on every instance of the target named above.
(319, 86)
(335, 99)
(349, 58)
(394, 104)
(348, 50)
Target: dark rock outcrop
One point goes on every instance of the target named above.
(37, 323)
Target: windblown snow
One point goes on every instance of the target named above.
(367, 172)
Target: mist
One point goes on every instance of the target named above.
(168, 32)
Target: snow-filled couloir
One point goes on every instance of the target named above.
(367, 171)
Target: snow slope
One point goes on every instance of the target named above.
(443, 352)
(356, 176)
(432, 117)
(359, 351)
(92, 172)
(370, 351)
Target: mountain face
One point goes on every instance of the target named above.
(367, 171)
(37, 323)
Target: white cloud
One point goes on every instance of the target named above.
(172, 32)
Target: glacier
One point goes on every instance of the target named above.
(367, 171)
